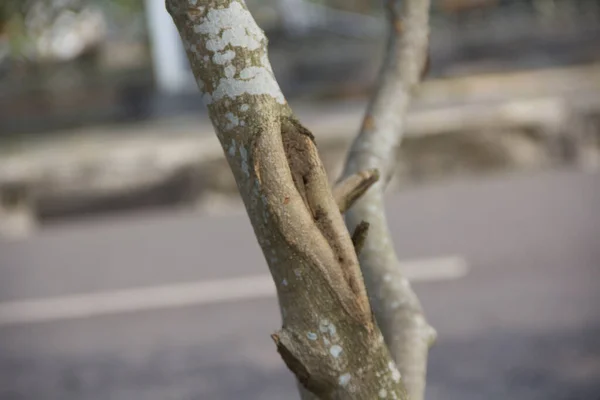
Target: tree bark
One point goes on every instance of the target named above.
(329, 338)
(395, 305)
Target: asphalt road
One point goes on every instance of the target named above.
(523, 323)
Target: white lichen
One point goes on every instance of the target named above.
(244, 157)
(284, 281)
(335, 350)
(332, 329)
(224, 57)
(324, 325)
(231, 26)
(252, 81)
(207, 98)
(191, 47)
(311, 336)
(231, 150)
(297, 272)
(394, 371)
(233, 121)
(250, 72)
(383, 394)
(229, 71)
(244, 107)
(344, 379)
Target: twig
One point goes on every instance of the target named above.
(351, 188)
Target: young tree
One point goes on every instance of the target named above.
(333, 320)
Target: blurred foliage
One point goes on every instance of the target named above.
(23, 22)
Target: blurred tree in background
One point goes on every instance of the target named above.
(62, 30)
(320, 48)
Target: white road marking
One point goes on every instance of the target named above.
(435, 269)
(186, 294)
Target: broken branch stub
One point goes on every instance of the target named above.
(329, 338)
(351, 188)
(359, 236)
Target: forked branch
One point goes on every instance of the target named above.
(329, 338)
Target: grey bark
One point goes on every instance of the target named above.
(395, 305)
(329, 338)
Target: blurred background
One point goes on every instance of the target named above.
(129, 270)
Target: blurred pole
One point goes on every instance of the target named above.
(171, 69)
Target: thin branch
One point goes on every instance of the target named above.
(396, 307)
(351, 188)
(329, 338)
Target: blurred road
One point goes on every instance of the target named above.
(523, 323)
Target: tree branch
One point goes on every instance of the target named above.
(397, 310)
(351, 188)
(329, 338)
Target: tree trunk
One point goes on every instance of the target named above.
(329, 338)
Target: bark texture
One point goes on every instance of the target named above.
(329, 337)
(395, 305)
